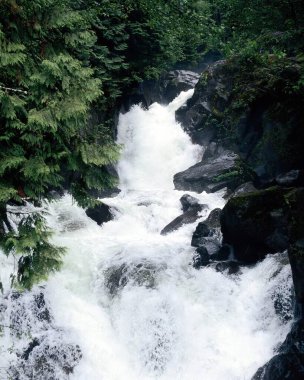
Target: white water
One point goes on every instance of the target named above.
(165, 320)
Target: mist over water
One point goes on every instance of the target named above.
(130, 297)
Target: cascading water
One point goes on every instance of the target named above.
(131, 299)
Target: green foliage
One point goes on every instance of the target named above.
(38, 256)
(61, 61)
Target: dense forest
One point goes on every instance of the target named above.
(62, 62)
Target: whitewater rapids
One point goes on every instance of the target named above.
(130, 297)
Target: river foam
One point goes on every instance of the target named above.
(130, 297)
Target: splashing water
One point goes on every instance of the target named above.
(130, 297)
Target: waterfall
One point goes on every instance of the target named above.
(131, 299)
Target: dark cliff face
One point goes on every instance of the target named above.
(250, 113)
(255, 114)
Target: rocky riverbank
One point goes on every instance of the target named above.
(252, 131)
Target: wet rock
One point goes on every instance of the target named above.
(223, 253)
(168, 87)
(232, 267)
(188, 202)
(40, 308)
(214, 218)
(208, 228)
(162, 91)
(284, 305)
(261, 222)
(43, 351)
(247, 187)
(34, 343)
(261, 132)
(291, 178)
(211, 95)
(28, 308)
(187, 217)
(211, 244)
(68, 222)
(140, 274)
(100, 213)
(177, 81)
(282, 366)
(211, 174)
(200, 258)
(48, 359)
(201, 232)
(289, 362)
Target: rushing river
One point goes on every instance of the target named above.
(130, 297)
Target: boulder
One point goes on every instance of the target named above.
(188, 202)
(265, 131)
(201, 232)
(100, 213)
(206, 238)
(142, 273)
(212, 174)
(262, 222)
(187, 217)
(214, 218)
(200, 258)
(289, 362)
(206, 229)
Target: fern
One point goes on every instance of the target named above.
(99, 154)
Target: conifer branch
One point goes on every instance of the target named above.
(13, 89)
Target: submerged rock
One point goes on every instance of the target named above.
(187, 217)
(44, 350)
(138, 273)
(200, 258)
(289, 362)
(47, 358)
